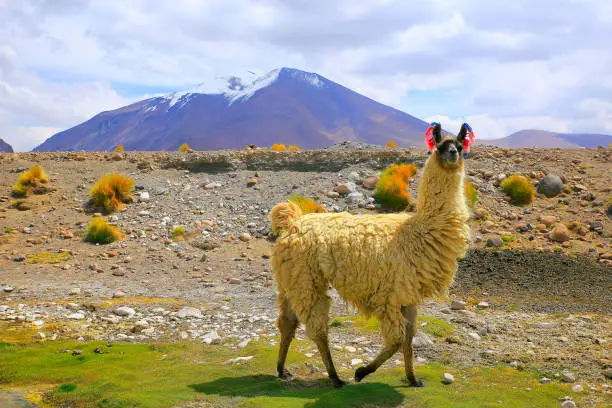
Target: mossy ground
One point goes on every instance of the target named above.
(167, 375)
(48, 257)
(429, 325)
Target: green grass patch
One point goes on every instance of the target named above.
(48, 257)
(508, 238)
(167, 375)
(435, 327)
(8, 230)
(429, 325)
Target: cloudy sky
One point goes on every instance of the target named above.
(503, 66)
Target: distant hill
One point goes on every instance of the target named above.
(5, 147)
(543, 138)
(284, 106)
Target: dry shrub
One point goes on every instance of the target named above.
(294, 148)
(471, 194)
(392, 187)
(101, 232)
(185, 148)
(119, 149)
(519, 188)
(306, 204)
(391, 143)
(278, 147)
(111, 192)
(33, 181)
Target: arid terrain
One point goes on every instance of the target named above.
(521, 300)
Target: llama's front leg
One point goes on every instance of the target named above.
(287, 323)
(410, 314)
(393, 331)
(317, 330)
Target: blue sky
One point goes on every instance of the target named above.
(502, 66)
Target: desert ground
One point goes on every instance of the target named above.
(159, 322)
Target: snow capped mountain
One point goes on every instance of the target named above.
(283, 106)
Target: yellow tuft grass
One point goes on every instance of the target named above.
(294, 148)
(101, 232)
(112, 192)
(31, 181)
(391, 143)
(392, 187)
(185, 148)
(177, 233)
(278, 147)
(306, 204)
(119, 148)
(519, 188)
(471, 194)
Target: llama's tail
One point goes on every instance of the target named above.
(284, 217)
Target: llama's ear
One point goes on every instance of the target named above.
(437, 132)
(463, 132)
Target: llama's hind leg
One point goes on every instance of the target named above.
(287, 323)
(317, 330)
(410, 313)
(392, 325)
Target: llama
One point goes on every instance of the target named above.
(383, 264)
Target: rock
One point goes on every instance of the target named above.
(458, 305)
(40, 336)
(124, 311)
(355, 197)
(239, 359)
(448, 378)
(346, 188)
(144, 196)
(481, 214)
(356, 362)
(210, 186)
(244, 343)
(560, 233)
(474, 336)
(421, 340)
(483, 305)
(370, 182)
(568, 404)
(119, 272)
(74, 292)
(354, 176)
(118, 294)
(245, 237)
(8, 289)
(211, 337)
(234, 281)
(495, 241)
(551, 185)
(568, 377)
(333, 194)
(545, 380)
(350, 349)
(544, 325)
(547, 220)
(76, 316)
(189, 312)
(577, 388)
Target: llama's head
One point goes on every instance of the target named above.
(449, 151)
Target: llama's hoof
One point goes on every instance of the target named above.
(285, 375)
(360, 373)
(417, 383)
(338, 383)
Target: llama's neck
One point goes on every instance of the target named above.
(441, 192)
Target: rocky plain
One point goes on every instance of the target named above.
(532, 294)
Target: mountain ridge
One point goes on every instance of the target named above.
(543, 138)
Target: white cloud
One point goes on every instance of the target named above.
(544, 64)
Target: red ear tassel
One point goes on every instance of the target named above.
(429, 138)
(469, 140)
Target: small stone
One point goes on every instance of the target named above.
(245, 237)
(577, 388)
(40, 336)
(483, 305)
(474, 336)
(356, 362)
(544, 325)
(346, 188)
(144, 196)
(354, 198)
(448, 378)
(76, 316)
(551, 185)
(211, 337)
(495, 241)
(354, 176)
(8, 289)
(234, 281)
(421, 340)
(568, 404)
(568, 377)
(350, 349)
(333, 194)
(124, 311)
(560, 233)
(19, 258)
(244, 343)
(74, 292)
(458, 305)
(547, 220)
(119, 272)
(118, 294)
(189, 312)
(370, 182)
(545, 380)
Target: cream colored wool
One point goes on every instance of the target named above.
(377, 262)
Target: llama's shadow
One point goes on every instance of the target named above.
(266, 387)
